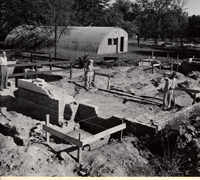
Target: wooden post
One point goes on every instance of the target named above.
(121, 132)
(172, 64)
(47, 124)
(31, 56)
(152, 67)
(171, 69)
(71, 71)
(118, 62)
(152, 54)
(16, 81)
(108, 85)
(36, 69)
(167, 55)
(79, 150)
(50, 60)
(177, 63)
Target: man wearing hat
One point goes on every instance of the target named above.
(89, 73)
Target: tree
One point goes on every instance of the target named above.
(180, 19)
(122, 14)
(90, 12)
(194, 27)
(157, 16)
(17, 12)
(58, 15)
(51, 13)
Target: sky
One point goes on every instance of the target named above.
(192, 7)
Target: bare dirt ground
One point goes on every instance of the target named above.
(22, 142)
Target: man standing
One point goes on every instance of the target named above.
(3, 71)
(168, 91)
(89, 73)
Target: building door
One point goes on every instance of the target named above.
(122, 44)
(116, 43)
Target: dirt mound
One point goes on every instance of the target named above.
(35, 160)
(120, 160)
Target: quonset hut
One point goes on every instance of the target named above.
(101, 40)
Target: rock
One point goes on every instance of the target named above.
(188, 137)
(65, 157)
(77, 126)
(194, 75)
(84, 170)
(7, 141)
(190, 128)
(25, 142)
(182, 130)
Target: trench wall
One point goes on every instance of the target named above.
(87, 116)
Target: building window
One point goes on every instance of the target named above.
(115, 41)
(109, 41)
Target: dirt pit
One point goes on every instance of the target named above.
(24, 151)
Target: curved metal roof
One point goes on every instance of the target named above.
(84, 38)
(73, 38)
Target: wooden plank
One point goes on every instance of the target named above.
(121, 132)
(79, 155)
(131, 97)
(39, 63)
(63, 136)
(59, 59)
(61, 67)
(30, 51)
(159, 70)
(34, 52)
(169, 61)
(155, 65)
(35, 73)
(105, 75)
(128, 94)
(187, 90)
(108, 61)
(47, 124)
(23, 56)
(40, 56)
(103, 134)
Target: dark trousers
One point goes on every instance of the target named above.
(3, 77)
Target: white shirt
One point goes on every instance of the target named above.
(3, 61)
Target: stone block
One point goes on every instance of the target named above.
(39, 98)
(33, 85)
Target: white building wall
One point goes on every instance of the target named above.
(113, 48)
